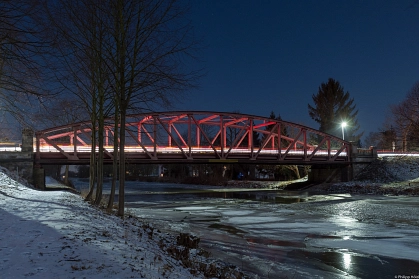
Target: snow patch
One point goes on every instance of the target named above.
(58, 235)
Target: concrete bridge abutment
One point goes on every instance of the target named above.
(343, 172)
(330, 173)
(20, 162)
(36, 172)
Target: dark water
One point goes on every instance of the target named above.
(179, 194)
(277, 234)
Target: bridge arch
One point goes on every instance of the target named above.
(196, 137)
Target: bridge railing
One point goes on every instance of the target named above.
(10, 147)
(391, 153)
(365, 151)
(136, 149)
(193, 135)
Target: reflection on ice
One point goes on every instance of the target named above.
(328, 236)
(346, 260)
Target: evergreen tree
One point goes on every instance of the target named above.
(332, 107)
(284, 143)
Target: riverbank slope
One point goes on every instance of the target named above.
(55, 234)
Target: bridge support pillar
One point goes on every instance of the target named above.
(27, 140)
(330, 173)
(39, 178)
(20, 162)
(347, 173)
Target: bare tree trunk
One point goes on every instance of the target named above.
(100, 165)
(294, 168)
(121, 55)
(121, 193)
(115, 160)
(92, 170)
(66, 174)
(101, 130)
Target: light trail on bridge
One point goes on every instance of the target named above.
(397, 154)
(192, 136)
(161, 150)
(200, 137)
(47, 148)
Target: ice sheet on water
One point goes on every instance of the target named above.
(251, 220)
(390, 247)
(318, 228)
(50, 180)
(193, 208)
(237, 212)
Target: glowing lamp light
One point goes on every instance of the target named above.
(343, 125)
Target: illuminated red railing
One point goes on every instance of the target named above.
(193, 136)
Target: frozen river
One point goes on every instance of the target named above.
(277, 234)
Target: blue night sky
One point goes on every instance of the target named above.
(263, 56)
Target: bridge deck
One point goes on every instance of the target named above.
(51, 155)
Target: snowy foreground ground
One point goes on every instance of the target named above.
(58, 235)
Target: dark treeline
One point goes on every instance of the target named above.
(400, 132)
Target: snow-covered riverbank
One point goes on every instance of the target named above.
(58, 235)
(386, 176)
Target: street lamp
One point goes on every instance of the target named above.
(343, 132)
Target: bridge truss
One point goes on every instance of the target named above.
(196, 137)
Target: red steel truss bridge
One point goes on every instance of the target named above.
(196, 137)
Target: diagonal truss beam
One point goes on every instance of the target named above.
(166, 135)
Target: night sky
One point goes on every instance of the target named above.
(263, 56)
